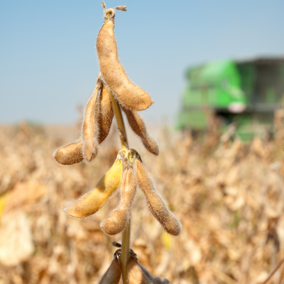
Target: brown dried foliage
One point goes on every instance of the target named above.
(228, 197)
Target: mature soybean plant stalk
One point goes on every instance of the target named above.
(114, 93)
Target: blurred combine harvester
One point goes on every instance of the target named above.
(246, 93)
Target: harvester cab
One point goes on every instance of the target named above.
(246, 93)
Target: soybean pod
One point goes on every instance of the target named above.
(69, 154)
(90, 128)
(94, 200)
(155, 202)
(118, 218)
(138, 126)
(113, 73)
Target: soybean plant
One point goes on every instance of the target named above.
(114, 93)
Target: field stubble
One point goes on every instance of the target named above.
(227, 195)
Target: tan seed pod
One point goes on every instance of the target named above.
(113, 273)
(90, 128)
(119, 218)
(155, 202)
(138, 126)
(113, 73)
(72, 153)
(69, 154)
(106, 114)
(135, 274)
(153, 280)
(95, 199)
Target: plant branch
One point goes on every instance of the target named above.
(125, 241)
(272, 273)
(120, 122)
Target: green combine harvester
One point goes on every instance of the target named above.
(246, 93)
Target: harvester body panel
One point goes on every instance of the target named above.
(244, 92)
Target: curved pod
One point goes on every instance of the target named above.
(139, 275)
(154, 280)
(155, 202)
(113, 73)
(90, 128)
(138, 126)
(106, 114)
(112, 275)
(119, 218)
(69, 154)
(95, 199)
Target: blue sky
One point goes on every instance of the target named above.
(48, 61)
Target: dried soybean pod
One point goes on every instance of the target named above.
(154, 280)
(69, 154)
(95, 199)
(90, 128)
(72, 153)
(119, 218)
(106, 114)
(155, 202)
(113, 273)
(135, 274)
(113, 73)
(138, 126)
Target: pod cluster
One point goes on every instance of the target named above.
(127, 174)
(114, 91)
(137, 273)
(112, 84)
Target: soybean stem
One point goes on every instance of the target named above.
(274, 270)
(120, 122)
(125, 241)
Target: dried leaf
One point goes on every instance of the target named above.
(16, 243)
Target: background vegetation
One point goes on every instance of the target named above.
(228, 196)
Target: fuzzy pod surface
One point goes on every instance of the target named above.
(138, 126)
(118, 219)
(113, 273)
(95, 199)
(106, 114)
(69, 154)
(113, 73)
(135, 274)
(155, 202)
(138, 274)
(154, 280)
(90, 128)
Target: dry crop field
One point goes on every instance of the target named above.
(227, 195)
